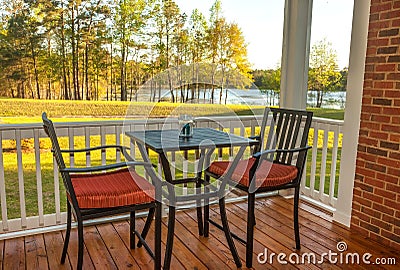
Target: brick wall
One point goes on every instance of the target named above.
(376, 201)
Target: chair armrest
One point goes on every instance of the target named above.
(263, 152)
(300, 149)
(269, 151)
(106, 167)
(255, 137)
(122, 148)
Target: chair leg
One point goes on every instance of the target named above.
(199, 211)
(206, 213)
(80, 244)
(157, 237)
(132, 226)
(296, 217)
(147, 225)
(170, 237)
(250, 230)
(67, 234)
(227, 232)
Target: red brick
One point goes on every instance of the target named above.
(386, 194)
(391, 111)
(366, 108)
(388, 32)
(378, 206)
(368, 141)
(391, 219)
(384, 84)
(378, 135)
(391, 93)
(394, 155)
(365, 172)
(395, 41)
(375, 183)
(390, 128)
(393, 188)
(378, 201)
(373, 93)
(371, 212)
(379, 42)
(379, 239)
(369, 227)
(387, 178)
(394, 137)
(381, 224)
(377, 151)
(380, 7)
(357, 192)
(372, 34)
(363, 217)
(370, 51)
(369, 125)
(380, 24)
(393, 171)
(392, 204)
(380, 118)
(385, 67)
(362, 201)
(388, 162)
(396, 4)
(391, 236)
(389, 145)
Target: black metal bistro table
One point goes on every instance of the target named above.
(206, 140)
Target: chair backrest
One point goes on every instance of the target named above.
(286, 129)
(50, 131)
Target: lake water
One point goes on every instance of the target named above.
(332, 100)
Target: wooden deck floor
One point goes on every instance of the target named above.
(106, 244)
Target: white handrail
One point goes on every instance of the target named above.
(326, 153)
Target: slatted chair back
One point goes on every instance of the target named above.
(50, 131)
(285, 129)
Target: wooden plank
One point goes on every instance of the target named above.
(54, 244)
(270, 220)
(237, 224)
(73, 251)
(123, 230)
(218, 244)
(121, 255)
(98, 252)
(35, 252)
(186, 230)
(354, 241)
(14, 254)
(182, 253)
(140, 255)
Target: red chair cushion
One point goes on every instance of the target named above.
(112, 189)
(268, 174)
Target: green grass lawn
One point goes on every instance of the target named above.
(15, 112)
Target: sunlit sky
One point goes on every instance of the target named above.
(262, 24)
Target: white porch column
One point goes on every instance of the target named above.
(352, 114)
(295, 53)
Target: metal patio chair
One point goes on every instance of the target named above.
(276, 164)
(106, 190)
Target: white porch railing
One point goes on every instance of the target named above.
(32, 198)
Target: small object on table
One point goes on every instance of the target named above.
(186, 124)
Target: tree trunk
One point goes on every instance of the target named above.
(35, 71)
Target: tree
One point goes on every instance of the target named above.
(323, 75)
